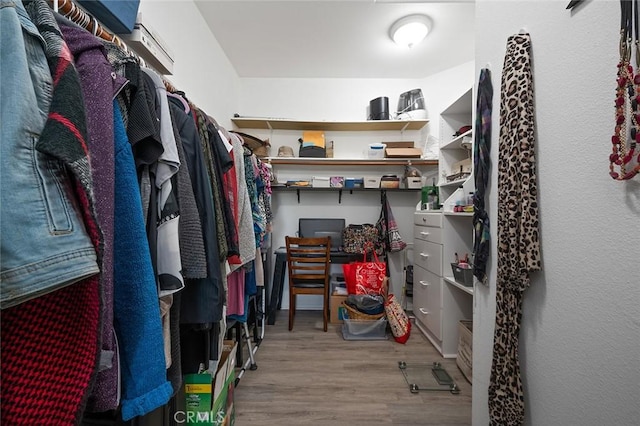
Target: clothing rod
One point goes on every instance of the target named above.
(75, 13)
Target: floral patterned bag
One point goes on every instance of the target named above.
(361, 238)
(398, 319)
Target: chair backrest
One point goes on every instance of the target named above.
(308, 259)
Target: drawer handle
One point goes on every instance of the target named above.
(424, 283)
(424, 255)
(424, 311)
(424, 233)
(424, 219)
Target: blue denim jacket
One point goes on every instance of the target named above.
(43, 242)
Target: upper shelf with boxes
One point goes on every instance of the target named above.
(314, 165)
(316, 141)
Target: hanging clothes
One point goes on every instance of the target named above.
(222, 163)
(260, 219)
(252, 189)
(136, 309)
(482, 171)
(41, 331)
(207, 133)
(96, 79)
(204, 297)
(230, 182)
(518, 235)
(192, 253)
(246, 236)
(46, 246)
(166, 214)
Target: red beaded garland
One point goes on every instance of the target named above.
(626, 104)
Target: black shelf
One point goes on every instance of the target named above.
(339, 191)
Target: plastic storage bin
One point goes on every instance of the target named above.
(320, 182)
(462, 275)
(372, 181)
(376, 151)
(414, 182)
(390, 181)
(364, 330)
(351, 183)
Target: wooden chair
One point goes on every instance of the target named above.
(308, 262)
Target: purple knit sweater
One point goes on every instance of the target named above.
(99, 85)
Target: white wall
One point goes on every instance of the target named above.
(345, 100)
(201, 68)
(580, 338)
(348, 99)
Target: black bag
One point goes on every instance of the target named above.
(312, 151)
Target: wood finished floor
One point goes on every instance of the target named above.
(309, 377)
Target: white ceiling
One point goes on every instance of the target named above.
(338, 39)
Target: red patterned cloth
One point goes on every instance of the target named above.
(50, 345)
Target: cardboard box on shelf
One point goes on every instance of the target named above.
(402, 150)
(337, 312)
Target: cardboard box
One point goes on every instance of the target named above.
(337, 282)
(464, 360)
(313, 137)
(209, 402)
(197, 390)
(337, 313)
(224, 386)
(402, 150)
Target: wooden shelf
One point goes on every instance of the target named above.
(349, 126)
(350, 161)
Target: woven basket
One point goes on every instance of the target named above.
(355, 314)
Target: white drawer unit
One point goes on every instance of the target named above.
(438, 305)
(439, 301)
(427, 300)
(428, 233)
(428, 219)
(428, 255)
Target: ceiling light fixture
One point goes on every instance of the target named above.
(410, 30)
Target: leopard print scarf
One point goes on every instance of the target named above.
(518, 236)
